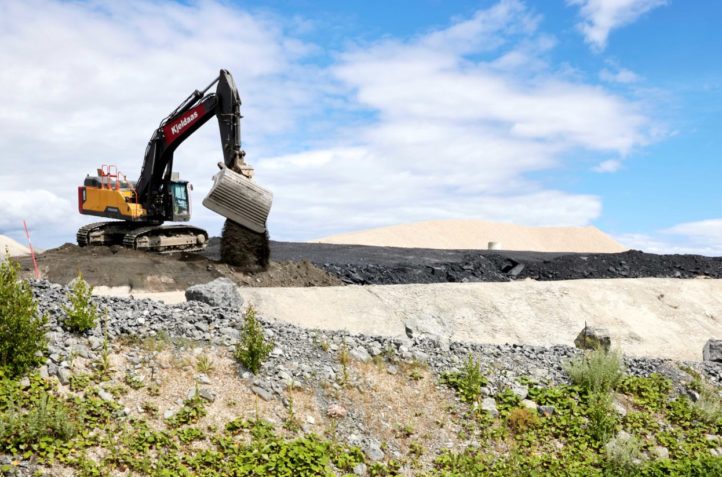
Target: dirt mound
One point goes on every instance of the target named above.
(121, 267)
(476, 235)
(13, 248)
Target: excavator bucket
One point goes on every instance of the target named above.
(239, 199)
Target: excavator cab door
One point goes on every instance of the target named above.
(180, 202)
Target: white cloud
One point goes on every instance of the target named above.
(611, 165)
(452, 135)
(86, 83)
(703, 238)
(622, 75)
(446, 124)
(600, 17)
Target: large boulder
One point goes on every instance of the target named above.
(221, 292)
(593, 338)
(712, 351)
(428, 326)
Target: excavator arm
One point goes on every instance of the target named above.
(190, 115)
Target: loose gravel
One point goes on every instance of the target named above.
(303, 357)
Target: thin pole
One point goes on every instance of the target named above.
(32, 252)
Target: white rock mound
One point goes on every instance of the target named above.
(476, 235)
(13, 248)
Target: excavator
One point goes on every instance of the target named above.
(140, 208)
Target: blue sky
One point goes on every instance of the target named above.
(362, 114)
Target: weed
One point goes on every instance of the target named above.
(204, 364)
(322, 343)
(291, 423)
(414, 369)
(157, 343)
(344, 358)
(597, 371)
(651, 392)
(521, 419)
(253, 348)
(133, 381)
(468, 382)
(602, 419)
(192, 411)
(48, 418)
(416, 449)
(22, 329)
(623, 455)
(709, 404)
(154, 390)
(82, 313)
(79, 381)
(404, 431)
(151, 409)
(189, 435)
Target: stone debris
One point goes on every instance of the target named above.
(488, 404)
(592, 338)
(221, 292)
(336, 411)
(712, 351)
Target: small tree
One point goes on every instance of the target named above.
(22, 329)
(82, 313)
(253, 348)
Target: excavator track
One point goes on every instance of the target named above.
(167, 239)
(103, 233)
(152, 238)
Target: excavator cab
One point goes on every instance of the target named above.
(179, 201)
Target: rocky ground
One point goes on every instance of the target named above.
(382, 396)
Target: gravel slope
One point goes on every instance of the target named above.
(664, 318)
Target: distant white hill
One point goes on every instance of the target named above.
(15, 249)
(476, 234)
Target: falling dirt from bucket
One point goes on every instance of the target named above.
(244, 248)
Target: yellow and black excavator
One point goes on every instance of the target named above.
(140, 208)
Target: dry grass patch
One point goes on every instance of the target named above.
(406, 411)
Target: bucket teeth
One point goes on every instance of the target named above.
(239, 199)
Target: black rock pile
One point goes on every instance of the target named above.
(492, 267)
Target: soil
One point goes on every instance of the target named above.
(120, 267)
(313, 264)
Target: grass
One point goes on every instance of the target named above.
(204, 364)
(597, 371)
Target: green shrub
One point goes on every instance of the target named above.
(22, 329)
(253, 349)
(597, 371)
(47, 418)
(602, 422)
(82, 314)
(623, 455)
(709, 404)
(468, 382)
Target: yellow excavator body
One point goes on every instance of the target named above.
(116, 203)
